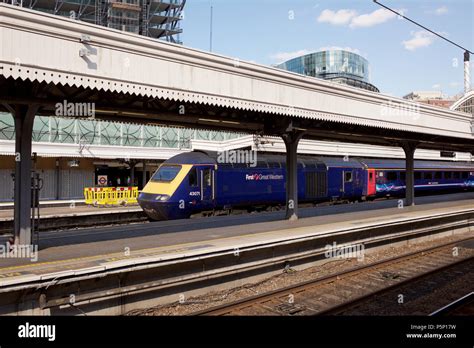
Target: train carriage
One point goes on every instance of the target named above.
(430, 176)
(195, 182)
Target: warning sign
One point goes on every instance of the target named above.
(102, 180)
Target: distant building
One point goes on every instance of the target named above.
(335, 65)
(435, 98)
(73, 153)
(423, 95)
(465, 104)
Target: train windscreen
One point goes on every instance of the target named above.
(166, 173)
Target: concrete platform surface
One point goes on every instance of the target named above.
(72, 210)
(79, 251)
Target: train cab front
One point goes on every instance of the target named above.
(160, 197)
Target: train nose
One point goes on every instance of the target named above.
(152, 205)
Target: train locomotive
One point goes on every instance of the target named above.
(196, 183)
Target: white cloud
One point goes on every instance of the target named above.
(419, 39)
(370, 19)
(454, 84)
(284, 56)
(436, 86)
(354, 20)
(441, 10)
(339, 17)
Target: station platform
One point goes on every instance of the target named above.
(71, 209)
(72, 216)
(76, 252)
(48, 203)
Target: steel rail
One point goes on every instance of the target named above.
(248, 302)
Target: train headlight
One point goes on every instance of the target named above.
(162, 198)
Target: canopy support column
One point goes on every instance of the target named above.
(409, 149)
(24, 117)
(291, 140)
(144, 175)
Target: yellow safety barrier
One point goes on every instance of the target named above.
(133, 195)
(88, 195)
(109, 196)
(120, 195)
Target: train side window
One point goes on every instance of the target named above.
(428, 175)
(274, 165)
(448, 175)
(456, 175)
(193, 178)
(438, 175)
(465, 175)
(417, 175)
(403, 176)
(371, 176)
(260, 164)
(391, 176)
(207, 177)
(348, 176)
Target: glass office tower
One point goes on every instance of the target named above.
(336, 65)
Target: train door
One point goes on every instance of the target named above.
(348, 183)
(208, 185)
(371, 187)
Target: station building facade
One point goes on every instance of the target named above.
(338, 66)
(73, 153)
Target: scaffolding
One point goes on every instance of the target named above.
(158, 19)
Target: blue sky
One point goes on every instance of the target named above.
(402, 57)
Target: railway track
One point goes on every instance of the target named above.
(337, 293)
(461, 306)
(422, 293)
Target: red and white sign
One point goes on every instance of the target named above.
(102, 180)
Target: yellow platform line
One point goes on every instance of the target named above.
(157, 249)
(140, 251)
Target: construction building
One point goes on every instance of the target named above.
(158, 19)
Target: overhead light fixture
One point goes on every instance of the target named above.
(120, 112)
(218, 121)
(208, 120)
(132, 113)
(73, 163)
(106, 111)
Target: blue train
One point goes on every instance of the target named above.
(194, 182)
